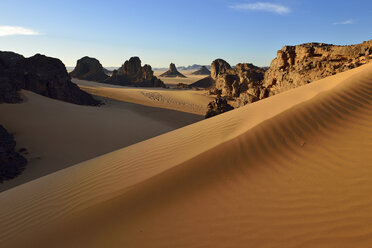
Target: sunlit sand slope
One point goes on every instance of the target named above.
(293, 170)
(57, 134)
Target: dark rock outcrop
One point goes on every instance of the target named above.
(131, 73)
(89, 69)
(43, 75)
(172, 72)
(11, 162)
(8, 89)
(218, 106)
(48, 77)
(202, 71)
(203, 83)
(299, 65)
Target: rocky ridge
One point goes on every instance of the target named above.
(302, 64)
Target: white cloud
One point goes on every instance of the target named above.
(259, 6)
(15, 30)
(347, 22)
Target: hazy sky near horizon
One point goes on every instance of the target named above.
(183, 32)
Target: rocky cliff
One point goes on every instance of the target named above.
(11, 162)
(43, 75)
(299, 65)
(131, 73)
(89, 69)
(172, 72)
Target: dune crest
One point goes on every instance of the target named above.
(292, 170)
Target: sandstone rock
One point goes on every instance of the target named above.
(299, 65)
(131, 73)
(244, 99)
(89, 69)
(8, 89)
(43, 75)
(172, 72)
(234, 81)
(218, 106)
(219, 66)
(11, 162)
(202, 71)
(48, 77)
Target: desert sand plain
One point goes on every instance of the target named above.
(127, 116)
(292, 170)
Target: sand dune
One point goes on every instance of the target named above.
(293, 170)
(189, 101)
(58, 134)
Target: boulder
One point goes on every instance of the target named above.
(172, 72)
(131, 73)
(89, 69)
(11, 162)
(218, 106)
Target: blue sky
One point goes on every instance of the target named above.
(183, 32)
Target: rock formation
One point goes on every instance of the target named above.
(219, 66)
(299, 65)
(202, 71)
(11, 162)
(89, 69)
(172, 72)
(131, 73)
(218, 106)
(43, 75)
(244, 78)
(8, 88)
(294, 66)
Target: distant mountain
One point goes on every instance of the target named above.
(202, 71)
(193, 67)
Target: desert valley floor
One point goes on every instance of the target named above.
(94, 131)
(292, 170)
